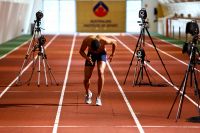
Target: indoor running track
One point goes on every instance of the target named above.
(126, 108)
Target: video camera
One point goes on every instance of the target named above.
(39, 15)
(41, 40)
(143, 14)
(192, 28)
(140, 54)
(190, 47)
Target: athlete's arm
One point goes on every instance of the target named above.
(84, 46)
(110, 41)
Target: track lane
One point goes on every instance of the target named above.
(32, 108)
(152, 95)
(79, 117)
(151, 104)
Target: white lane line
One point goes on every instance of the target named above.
(56, 123)
(121, 126)
(150, 45)
(139, 126)
(8, 87)
(175, 87)
(14, 49)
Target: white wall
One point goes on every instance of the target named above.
(14, 16)
(150, 5)
(169, 9)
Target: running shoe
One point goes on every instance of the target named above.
(88, 97)
(98, 102)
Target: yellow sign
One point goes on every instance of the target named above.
(101, 16)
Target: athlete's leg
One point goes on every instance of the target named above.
(87, 75)
(101, 65)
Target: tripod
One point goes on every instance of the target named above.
(182, 90)
(36, 45)
(141, 70)
(141, 40)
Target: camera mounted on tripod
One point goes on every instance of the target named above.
(39, 15)
(143, 14)
(140, 54)
(41, 40)
(192, 29)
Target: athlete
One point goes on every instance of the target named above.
(96, 54)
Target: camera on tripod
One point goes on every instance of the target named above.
(41, 40)
(192, 29)
(143, 14)
(39, 15)
(140, 54)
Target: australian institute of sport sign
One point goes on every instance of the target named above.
(101, 16)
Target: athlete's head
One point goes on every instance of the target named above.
(95, 44)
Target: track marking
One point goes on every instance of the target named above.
(55, 127)
(126, 100)
(14, 49)
(8, 87)
(150, 45)
(175, 87)
(121, 126)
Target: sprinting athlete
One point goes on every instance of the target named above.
(96, 54)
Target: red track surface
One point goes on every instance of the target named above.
(42, 109)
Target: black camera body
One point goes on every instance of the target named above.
(140, 54)
(192, 28)
(39, 15)
(41, 40)
(143, 14)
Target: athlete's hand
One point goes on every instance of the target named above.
(89, 60)
(110, 57)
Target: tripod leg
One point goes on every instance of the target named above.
(45, 73)
(50, 72)
(182, 95)
(21, 69)
(33, 68)
(25, 62)
(135, 72)
(133, 56)
(147, 75)
(39, 65)
(159, 56)
(139, 75)
(191, 76)
(177, 94)
(196, 90)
